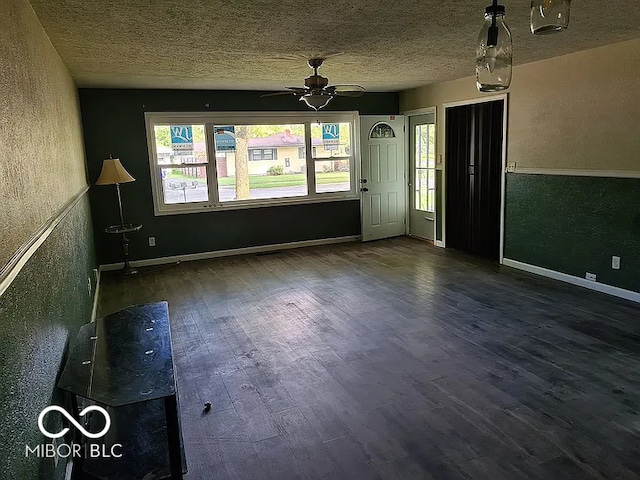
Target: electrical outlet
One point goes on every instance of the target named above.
(511, 167)
(590, 276)
(89, 286)
(152, 241)
(615, 263)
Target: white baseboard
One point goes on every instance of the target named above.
(231, 252)
(439, 243)
(581, 282)
(578, 172)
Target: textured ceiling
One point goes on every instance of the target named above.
(262, 45)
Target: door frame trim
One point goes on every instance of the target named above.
(407, 155)
(503, 175)
(419, 111)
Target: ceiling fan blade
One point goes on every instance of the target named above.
(297, 91)
(348, 88)
(345, 90)
(301, 90)
(275, 94)
(349, 93)
(303, 57)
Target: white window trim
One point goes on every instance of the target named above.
(250, 118)
(433, 169)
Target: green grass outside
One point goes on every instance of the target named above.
(270, 181)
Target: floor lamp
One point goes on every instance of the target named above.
(113, 173)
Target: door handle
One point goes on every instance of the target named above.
(364, 189)
(363, 180)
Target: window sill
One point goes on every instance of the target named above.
(244, 205)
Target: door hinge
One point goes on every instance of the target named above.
(404, 220)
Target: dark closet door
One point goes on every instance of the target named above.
(474, 174)
(459, 124)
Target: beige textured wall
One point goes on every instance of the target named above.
(578, 111)
(41, 151)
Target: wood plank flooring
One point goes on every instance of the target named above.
(395, 360)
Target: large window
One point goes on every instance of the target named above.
(260, 159)
(266, 176)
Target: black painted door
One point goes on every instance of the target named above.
(474, 138)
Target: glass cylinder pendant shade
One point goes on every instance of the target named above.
(549, 16)
(494, 54)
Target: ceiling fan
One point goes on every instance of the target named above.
(317, 92)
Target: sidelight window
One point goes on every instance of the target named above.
(425, 174)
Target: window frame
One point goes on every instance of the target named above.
(430, 169)
(210, 119)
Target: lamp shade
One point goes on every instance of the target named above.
(113, 172)
(316, 100)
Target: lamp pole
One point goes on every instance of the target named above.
(120, 204)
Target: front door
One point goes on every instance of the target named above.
(422, 191)
(382, 181)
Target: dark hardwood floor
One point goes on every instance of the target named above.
(394, 360)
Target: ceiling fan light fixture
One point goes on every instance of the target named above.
(316, 101)
(549, 16)
(494, 53)
(317, 92)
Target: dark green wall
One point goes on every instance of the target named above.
(575, 224)
(40, 315)
(113, 123)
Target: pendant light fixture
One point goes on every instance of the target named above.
(549, 16)
(316, 100)
(494, 54)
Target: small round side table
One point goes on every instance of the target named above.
(123, 230)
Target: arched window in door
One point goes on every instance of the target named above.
(382, 130)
